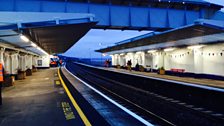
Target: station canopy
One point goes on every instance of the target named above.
(42, 33)
(58, 39)
(202, 32)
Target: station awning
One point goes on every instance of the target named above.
(194, 34)
(58, 39)
(45, 32)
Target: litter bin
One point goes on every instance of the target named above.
(28, 72)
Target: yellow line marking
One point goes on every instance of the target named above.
(81, 114)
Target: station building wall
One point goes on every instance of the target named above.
(180, 59)
(206, 60)
(43, 61)
(29, 61)
(213, 59)
(7, 63)
(14, 63)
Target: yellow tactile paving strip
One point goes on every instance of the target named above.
(207, 82)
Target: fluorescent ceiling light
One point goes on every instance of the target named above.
(33, 44)
(169, 49)
(195, 47)
(138, 52)
(104, 54)
(24, 38)
(152, 51)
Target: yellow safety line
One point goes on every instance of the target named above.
(81, 114)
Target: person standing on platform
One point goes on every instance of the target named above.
(61, 62)
(1, 81)
(105, 63)
(109, 63)
(129, 65)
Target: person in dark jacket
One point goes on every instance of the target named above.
(137, 67)
(129, 65)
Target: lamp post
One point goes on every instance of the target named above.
(100, 44)
(90, 58)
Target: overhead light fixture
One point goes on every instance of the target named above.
(121, 54)
(195, 46)
(138, 52)
(151, 51)
(169, 49)
(104, 54)
(24, 38)
(42, 50)
(33, 44)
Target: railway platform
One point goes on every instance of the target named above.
(190, 80)
(41, 100)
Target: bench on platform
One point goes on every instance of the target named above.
(177, 70)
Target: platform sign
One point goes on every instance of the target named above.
(39, 62)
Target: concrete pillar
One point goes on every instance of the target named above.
(14, 63)
(148, 59)
(121, 60)
(22, 62)
(22, 67)
(29, 61)
(2, 50)
(142, 59)
(116, 59)
(34, 61)
(158, 60)
(7, 63)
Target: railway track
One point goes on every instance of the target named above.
(157, 108)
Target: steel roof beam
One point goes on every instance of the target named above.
(120, 14)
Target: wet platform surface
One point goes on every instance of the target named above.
(37, 101)
(205, 82)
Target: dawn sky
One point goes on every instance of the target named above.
(96, 39)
